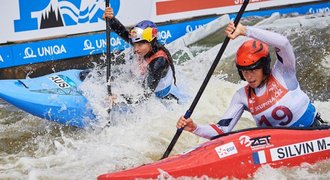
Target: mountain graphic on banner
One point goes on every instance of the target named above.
(51, 19)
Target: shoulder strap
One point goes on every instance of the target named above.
(162, 53)
(158, 54)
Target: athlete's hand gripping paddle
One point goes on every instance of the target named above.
(206, 80)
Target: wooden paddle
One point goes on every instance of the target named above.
(206, 80)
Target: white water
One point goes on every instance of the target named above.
(50, 151)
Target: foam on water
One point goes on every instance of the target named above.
(32, 148)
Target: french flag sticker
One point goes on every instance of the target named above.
(259, 157)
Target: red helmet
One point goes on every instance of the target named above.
(253, 54)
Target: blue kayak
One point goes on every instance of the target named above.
(55, 97)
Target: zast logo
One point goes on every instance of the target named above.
(42, 14)
(256, 142)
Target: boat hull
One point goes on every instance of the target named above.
(240, 154)
(55, 97)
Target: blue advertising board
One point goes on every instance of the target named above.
(91, 44)
(83, 45)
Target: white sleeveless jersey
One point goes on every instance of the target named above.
(280, 102)
(165, 84)
(277, 106)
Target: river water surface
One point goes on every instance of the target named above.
(33, 148)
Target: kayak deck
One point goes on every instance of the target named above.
(240, 154)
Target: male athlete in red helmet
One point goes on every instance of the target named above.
(272, 95)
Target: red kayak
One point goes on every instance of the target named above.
(239, 154)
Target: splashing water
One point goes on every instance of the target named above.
(33, 148)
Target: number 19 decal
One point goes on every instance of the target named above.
(280, 113)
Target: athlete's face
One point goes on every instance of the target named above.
(142, 48)
(254, 77)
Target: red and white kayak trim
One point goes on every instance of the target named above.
(239, 154)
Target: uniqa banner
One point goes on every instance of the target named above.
(34, 31)
(28, 20)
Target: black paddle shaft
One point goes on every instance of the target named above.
(108, 60)
(206, 80)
